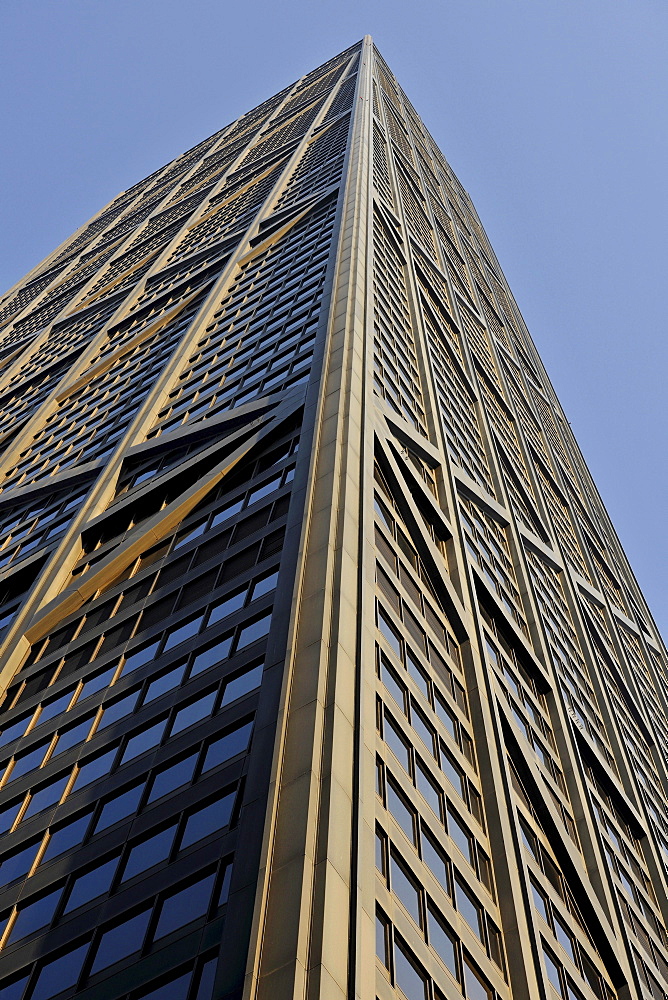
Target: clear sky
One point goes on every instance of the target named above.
(553, 114)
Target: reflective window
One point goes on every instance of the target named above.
(59, 975)
(229, 746)
(194, 712)
(149, 852)
(116, 809)
(120, 941)
(35, 915)
(242, 684)
(208, 820)
(183, 907)
(94, 883)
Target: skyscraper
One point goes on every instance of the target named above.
(324, 672)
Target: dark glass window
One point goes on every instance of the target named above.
(174, 989)
(119, 808)
(120, 941)
(208, 820)
(118, 710)
(59, 975)
(206, 978)
(95, 769)
(72, 737)
(91, 885)
(47, 796)
(139, 657)
(173, 777)
(15, 990)
(166, 682)
(229, 746)
(254, 632)
(183, 632)
(143, 741)
(149, 852)
(184, 906)
(35, 915)
(18, 865)
(194, 712)
(229, 604)
(30, 760)
(211, 656)
(242, 684)
(65, 837)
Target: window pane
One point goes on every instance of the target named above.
(65, 837)
(211, 656)
(45, 797)
(173, 777)
(382, 940)
(183, 632)
(403, 814)
(120, 941)
(410, 979)
(139, 657)
(194, 712)
(92, 884)
(35, 915)
(95, 769)
(30, 760)
(208, 820)
(396, 742)
(59, 975)
(167, 682)
(142, 742)
(229, 746)
(185, 906)
(242, 684)
(206, 978)
(15, 990)
(435, 861)
(253, 632)
(389, 633)
(175, 989)
(150, 852)
(443, 941)
(391, 682)
(405, 889)
(470, 909)
(552, 969)
(18, 865)
(428, 787)
(118, 710)
(475, 986)
(225, 607)
(461, 836)
(264, 586)
(119, 808)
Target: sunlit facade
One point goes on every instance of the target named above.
(324, 672)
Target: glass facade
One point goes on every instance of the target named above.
(323, 671)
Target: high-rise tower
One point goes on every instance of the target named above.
(324, 673)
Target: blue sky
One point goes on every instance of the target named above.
(552, 114)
